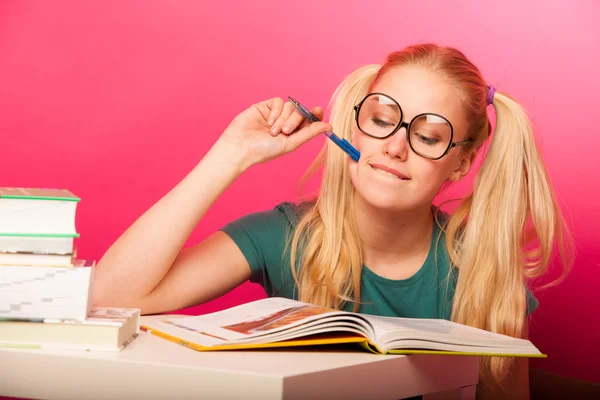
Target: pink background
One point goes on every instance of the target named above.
(118, 100)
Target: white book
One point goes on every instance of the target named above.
(63, 245)
(35, 212)
(32, 292)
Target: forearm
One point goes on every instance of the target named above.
(135, 264)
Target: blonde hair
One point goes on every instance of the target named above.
(500, 235)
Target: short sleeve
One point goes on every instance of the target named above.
(532, 302)
(261, 237)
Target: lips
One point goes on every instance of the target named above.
(389, 170)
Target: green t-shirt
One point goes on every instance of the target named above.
(428, 293)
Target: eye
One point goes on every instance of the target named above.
(426, 139)
(380, 122)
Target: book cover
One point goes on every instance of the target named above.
(37, 212)
(37, 194)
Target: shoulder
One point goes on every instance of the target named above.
(283, 216)
(287, 213)
(290, 212)
(262, 235)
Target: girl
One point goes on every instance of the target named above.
(372, 241)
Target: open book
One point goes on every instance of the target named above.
(280, 322)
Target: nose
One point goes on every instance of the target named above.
(396, 146)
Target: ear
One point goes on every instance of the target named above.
(464, 165)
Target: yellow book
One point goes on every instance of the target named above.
(280, 322)
(104, 329)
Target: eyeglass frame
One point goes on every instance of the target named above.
(407, 126)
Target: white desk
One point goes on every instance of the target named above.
(154, 368)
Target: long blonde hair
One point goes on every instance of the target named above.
(500, 235)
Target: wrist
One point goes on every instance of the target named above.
(229, 154)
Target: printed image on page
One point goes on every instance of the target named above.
(252, 319)
(279, 319)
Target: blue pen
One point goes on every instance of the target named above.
(342, 143)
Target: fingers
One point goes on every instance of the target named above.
(276, 109)
(318, 112)
(290, 119)
(307, 133)
(303, 122)
(288, 109)
(282, 117)
(293, 122)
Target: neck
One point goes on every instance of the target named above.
(391, 238)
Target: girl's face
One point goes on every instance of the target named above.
(389, 175)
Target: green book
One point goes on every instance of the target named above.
(37, 212)
(37, 194)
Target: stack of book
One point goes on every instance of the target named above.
(45, 290)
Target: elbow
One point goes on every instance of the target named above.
(107, 290)
(101, 297)
(105, 295)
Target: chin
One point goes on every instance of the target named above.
(390, 198)
(386, 200)
(387, 193)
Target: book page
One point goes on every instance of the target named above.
(488, 350)
(334, 322)
(253, 319)
(405, 326)
(440, 331)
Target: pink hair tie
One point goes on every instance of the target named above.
(490, 96)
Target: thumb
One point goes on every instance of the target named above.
(307, 133)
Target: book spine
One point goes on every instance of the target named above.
(42, 235)
(174, 339)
